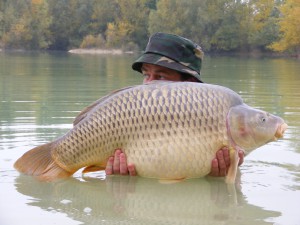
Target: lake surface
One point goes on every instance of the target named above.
(41, 93)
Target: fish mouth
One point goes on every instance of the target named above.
(280, 131)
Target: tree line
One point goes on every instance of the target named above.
(217, 25)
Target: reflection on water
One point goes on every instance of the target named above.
(41, 93)
(135, 200)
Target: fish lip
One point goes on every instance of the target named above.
(280, 131)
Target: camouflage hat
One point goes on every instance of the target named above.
(173, 52)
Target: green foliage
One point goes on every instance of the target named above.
(71, 22)
(264, 23)
(217, 25)
(289, 28)
(102, 15)
(26, 27)
(91, 41)
(130, 23)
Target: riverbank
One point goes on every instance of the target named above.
(99, 51)
(254, 54)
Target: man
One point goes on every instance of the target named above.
(174, 58)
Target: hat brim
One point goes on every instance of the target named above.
(160, 60)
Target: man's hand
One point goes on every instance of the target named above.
(117, 164)
(220, 164)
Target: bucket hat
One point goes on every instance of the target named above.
(174, 52)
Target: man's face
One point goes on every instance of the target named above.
(154, 72)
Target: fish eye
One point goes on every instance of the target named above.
(263, 119)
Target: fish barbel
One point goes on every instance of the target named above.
(168, 130)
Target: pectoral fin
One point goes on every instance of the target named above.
(93, 169)
(234, 163)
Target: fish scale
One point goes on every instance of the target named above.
(137, 138)
(168, 130)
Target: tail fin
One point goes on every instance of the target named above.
(39, 162)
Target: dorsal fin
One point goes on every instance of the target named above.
(85, 111)
(89, 108)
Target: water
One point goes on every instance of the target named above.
(41, 93)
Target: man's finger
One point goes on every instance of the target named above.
(214, 168)
(123, 164)
(131, 170)
(109, 166)
(116, 165)
(241, 156)
(222, 164)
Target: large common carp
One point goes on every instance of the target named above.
(168, 130)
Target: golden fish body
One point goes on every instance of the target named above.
(168, 130)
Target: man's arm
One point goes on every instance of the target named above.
(117, 164)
